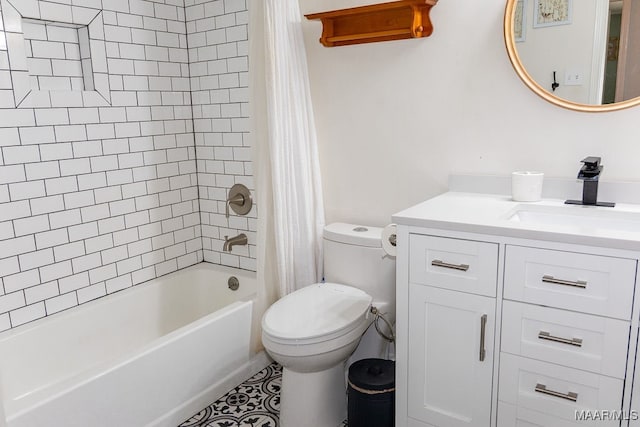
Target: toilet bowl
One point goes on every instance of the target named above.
(311, 332)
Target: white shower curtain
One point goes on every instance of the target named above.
(288, 185)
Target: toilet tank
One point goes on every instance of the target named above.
(353, 256)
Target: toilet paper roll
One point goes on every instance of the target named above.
(389, 240)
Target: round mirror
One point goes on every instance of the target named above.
(583, 55)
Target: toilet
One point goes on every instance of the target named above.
(312, 331)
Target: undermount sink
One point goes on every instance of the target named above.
(577, 217)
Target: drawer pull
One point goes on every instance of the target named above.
(483, 327)
(541, 388)
(577, 284)
(547, 336)
(438, 263)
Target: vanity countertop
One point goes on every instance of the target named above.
(549, 219)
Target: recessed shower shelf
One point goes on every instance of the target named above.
(395, 20)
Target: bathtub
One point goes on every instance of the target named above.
(151, 355)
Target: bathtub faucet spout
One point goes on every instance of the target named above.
(229, 243)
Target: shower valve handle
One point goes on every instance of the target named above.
(237, 200)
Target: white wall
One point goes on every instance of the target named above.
(395, 119)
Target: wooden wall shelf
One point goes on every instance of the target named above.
(395, 20)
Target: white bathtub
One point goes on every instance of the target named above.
(151, 355)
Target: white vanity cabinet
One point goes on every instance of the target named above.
(451, 318)
(512, 329)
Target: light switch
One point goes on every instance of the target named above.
(573, 77)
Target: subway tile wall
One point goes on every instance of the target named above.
(218, 57)
(98, 198)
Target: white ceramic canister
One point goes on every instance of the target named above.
(526, 186)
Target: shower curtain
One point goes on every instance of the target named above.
(286, 166)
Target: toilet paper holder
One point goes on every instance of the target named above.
(392, 239)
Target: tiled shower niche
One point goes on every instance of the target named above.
(57, 54)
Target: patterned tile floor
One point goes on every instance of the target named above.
(254, 403)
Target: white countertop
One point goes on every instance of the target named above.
(489, 214)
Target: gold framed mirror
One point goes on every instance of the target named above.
(544, 40)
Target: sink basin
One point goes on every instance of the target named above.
(577, 217)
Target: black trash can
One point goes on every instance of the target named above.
(372, 393)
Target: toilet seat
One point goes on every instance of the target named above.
(316, 313)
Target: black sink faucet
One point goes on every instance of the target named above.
(589, 174)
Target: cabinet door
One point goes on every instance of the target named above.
(450, 369)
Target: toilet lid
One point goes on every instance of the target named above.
(316, 310)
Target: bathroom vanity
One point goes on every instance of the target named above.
(513, 314)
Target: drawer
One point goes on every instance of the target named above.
(556, 390)
(583, 341)
(514, 416)
(456, 264)
(581, 282)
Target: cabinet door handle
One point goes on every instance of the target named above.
(483, 328)
(439, 263)
(577, 284)
(541, 388)
(547, 336)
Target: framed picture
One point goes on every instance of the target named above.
(520, 20)
(548, 13)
